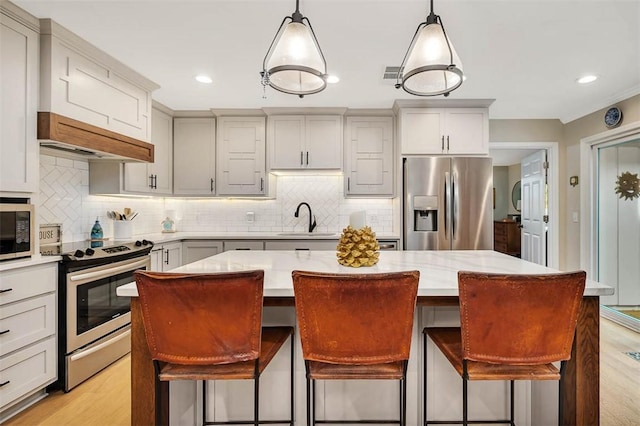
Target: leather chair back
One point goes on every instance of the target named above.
(201, 318)
(519, 319)
(355, 318)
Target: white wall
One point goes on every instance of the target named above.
(64, 195)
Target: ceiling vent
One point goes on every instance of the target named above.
(390, 73)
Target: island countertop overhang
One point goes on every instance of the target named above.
(438, 269)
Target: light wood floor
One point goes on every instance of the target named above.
(104, 399)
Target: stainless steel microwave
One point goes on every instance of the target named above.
(16, 230)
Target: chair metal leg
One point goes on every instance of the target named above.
(512, 405)
(403, 397)
(465, 419)
(313, 403)
(204, 402)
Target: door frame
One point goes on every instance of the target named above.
(588, 190)
(553, 184)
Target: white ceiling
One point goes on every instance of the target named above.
(524, 54)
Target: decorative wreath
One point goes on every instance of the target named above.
(628, 186)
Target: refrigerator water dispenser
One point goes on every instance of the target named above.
(425, 213)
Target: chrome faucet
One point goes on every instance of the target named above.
(312, 218)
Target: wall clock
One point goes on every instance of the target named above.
(612, 117)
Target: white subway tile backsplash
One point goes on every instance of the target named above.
(64, 198)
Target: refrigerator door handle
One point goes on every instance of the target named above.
(447, 204)
(456, 205)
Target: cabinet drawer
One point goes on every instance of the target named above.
(21, 283)
(243, 245)
(301, 245)
(500, 238)
(27, 370)
(26, 322)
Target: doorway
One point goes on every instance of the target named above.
(507, 158)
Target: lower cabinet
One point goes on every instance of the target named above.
(28, 357)
(166, 257)
(301, 245)
(243, 245)
(194, 250)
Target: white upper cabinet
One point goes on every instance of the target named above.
(305, 142)
(449, 131)
(156, 177)
(81, 82)
(368, 164)
(194, 156)
(19, 87)
(241, 151)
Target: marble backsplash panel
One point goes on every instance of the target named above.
(65, 199)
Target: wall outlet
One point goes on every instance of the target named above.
(251, 217)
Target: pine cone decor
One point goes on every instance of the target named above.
(358, 247)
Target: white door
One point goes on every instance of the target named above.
(534, 207)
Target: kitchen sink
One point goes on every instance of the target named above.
(307, 234)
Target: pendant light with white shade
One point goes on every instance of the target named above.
(431, 65)
(294, 63)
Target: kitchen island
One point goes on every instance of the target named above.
(437, 288)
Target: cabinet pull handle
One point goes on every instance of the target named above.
(387, 246)
(447, 143)
(261, 184)
(5, 383)
(302, 249)
(4, 332)
(242, 248)
(301, 158)
(443, 142)
(307, 158)
(5, 290)
(348, 184)
(151, 181)
(211, 185)
(167, 257)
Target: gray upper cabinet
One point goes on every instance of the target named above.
(241, 165)
(299, 142)
(194, 156)
(19, 87)
(368, 163)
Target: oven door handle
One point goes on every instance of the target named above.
(109, 272)
(96, 348)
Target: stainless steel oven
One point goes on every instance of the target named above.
(94, 323)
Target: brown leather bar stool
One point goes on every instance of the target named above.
(355, 326)
(209, 327)
(512, 327)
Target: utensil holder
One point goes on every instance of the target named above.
(122, 229)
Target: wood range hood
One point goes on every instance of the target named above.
(90, 142)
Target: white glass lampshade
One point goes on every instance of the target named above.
(295, 63)
(430, 68)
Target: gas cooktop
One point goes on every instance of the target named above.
(102, 250)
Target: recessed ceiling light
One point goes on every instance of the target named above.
(204, 79)
(587, 79)
(332, 79)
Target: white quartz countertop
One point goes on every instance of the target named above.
(27, 262)
(438, 269)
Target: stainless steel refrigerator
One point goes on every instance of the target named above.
(448, 203)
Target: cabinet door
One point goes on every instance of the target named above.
(241, 156)
(172, 256)
(137, 177)
(194, 148)
(323, 142)
(286, 139)
(467, 131)
(157, 256)
(196, 250)
(369, 156)
(422, 130)
(162, 139)
(19, 150)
